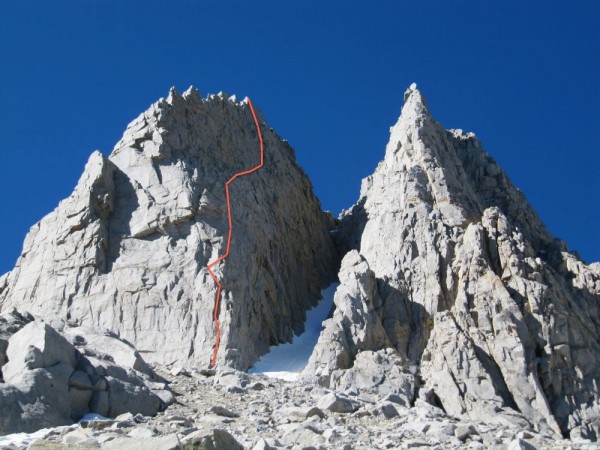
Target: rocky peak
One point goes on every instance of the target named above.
(415, 115)
(128, 250)
(415, 105)
(457, 319)
(471, 288)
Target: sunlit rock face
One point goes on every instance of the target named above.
(456, 274)
(128, 250)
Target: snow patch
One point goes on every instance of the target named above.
(23, 440)
(286, 361)
(93, 416)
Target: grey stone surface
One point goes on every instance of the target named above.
(169, 442)
(10, 323)
(36, 346)
(128, 250)
(216, 439)
(284, 415)
(459, 321)
(462, 432)
(376, 375)
(356, 323)
(336, 403)
(49, 382)
(107, 345)
(221, 411)
(36, 392)
(519, 444)
(354, 353)
(500, 322)
(127, 397)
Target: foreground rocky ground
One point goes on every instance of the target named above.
(232, 410)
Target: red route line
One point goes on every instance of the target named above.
(217, 261)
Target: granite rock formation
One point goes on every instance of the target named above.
(453, 270)
(128, 250)
(459, 320)
(53, 379)
(10, 323)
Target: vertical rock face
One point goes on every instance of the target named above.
(128, 249)
(501, 320)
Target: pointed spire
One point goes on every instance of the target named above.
(173, 94)
(415, 115)
(192, 94)
(413, 99)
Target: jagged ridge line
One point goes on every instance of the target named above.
(230, 223)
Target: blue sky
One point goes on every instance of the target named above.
(328, 76)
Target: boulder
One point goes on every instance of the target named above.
(168, 442)
(37, 346)
(376, 375)
(10, 323)
(354, 353)
(520, 444)
(36, 393)
(51, 383)
(336, 403)
(124, 396)
(463, 432)
(355, 325)
(385, 409)
(107, 345)
(215, 439)
(304, 436)
(222, 411)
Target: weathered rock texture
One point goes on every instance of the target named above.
(128, 250)
(10, 323)
(49, 382)
(343, 359)
(458, 275)
(271, 414)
